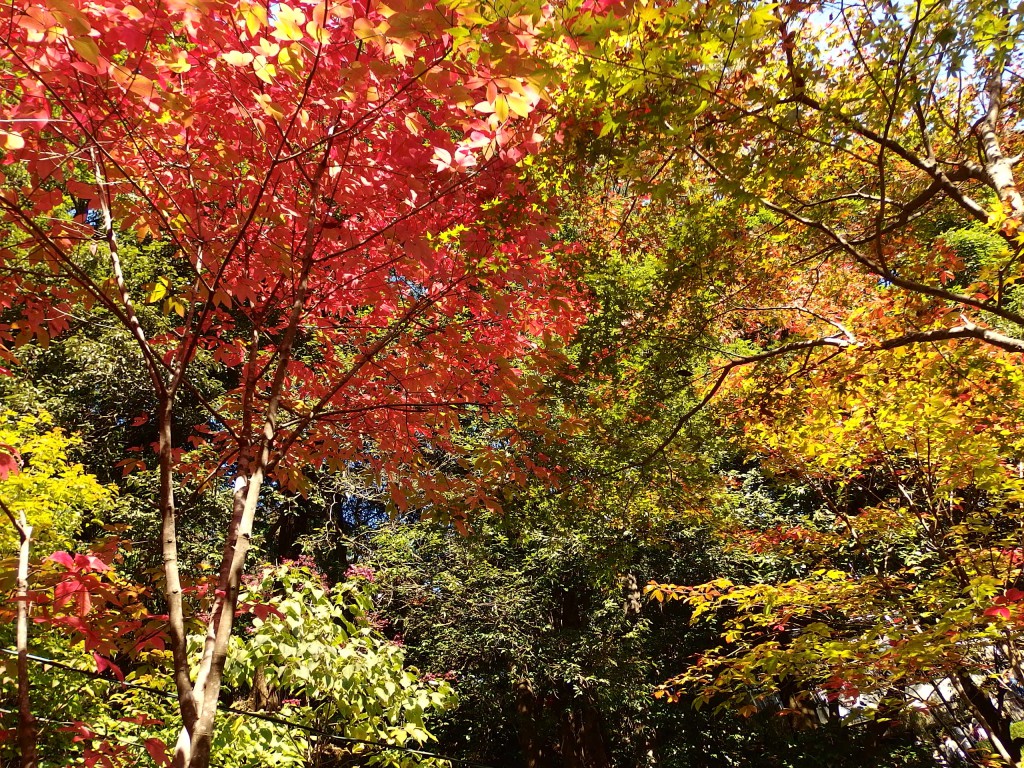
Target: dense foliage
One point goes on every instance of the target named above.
(585, 383)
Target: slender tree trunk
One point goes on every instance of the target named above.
(202, 736)
(223, 580)
(245, 501)
(995, 723)
(998, 166)
(172, 590)
(27, 732)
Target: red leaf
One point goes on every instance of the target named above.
(262, 610)
(92, 562)
(63, 558)
(158, 751)
(84, 602)
(1000, 611)
(104, 664)
(10, 461)
(65, 590)
(138, 421)
(81, 731)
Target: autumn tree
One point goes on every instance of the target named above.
(854, 133)
(867, 151)
(337, 185)
(898, 583)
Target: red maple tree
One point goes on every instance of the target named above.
(339, 183)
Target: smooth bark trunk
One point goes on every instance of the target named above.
(998, 167)
(27, 732)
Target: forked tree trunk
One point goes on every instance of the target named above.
(997, 724)
(194, 744)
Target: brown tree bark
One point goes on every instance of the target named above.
(264, 696)
(583, 743)
(996, 723)
(536, 753)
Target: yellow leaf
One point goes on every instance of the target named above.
(501, 108)
(414, 122)
(86, 48)
(133, 13)
(268, 48)
(138, 84)
(161, 288)
(290, 58)
(317, 32)
(9, 141)
(341, 10)
(364, 29)
(518, 104)
(288, 23)
(265, 71)
(176, 306)
(255, 16)
(142, 86)
(72, 18)
(237, 58)
(276, 111)
(180, 64)
(402, 51)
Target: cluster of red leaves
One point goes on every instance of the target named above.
(82, 597)
(354, 162)
(1006, 605)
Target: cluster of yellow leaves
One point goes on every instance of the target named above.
(947, 414)
(55, 493)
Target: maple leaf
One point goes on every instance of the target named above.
(10, 461)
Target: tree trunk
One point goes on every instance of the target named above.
(27, 733)
(222, 621)
(264, 696)
(205, 695)
(583, 744)
(995, 723)
(998, 167)
(536, 753)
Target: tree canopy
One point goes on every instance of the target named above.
(588, 383)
